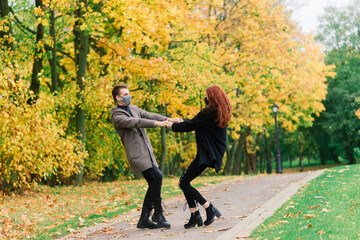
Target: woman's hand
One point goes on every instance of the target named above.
(174, 120)
(169, 124)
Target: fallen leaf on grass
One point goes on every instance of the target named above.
(81, 220)
(305, 227)
(312, 207)
(280, 222)
(325, 210)
(308, 216)
(321, 232)
(319, 197)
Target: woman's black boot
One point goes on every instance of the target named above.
(211, 212)
(195, 219)
(144, 221)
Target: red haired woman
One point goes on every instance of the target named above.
(210, 130)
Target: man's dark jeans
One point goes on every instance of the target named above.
(154, 178)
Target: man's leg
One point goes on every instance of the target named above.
(154, 177)
(144, 221)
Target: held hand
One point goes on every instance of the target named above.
(169, 125)
(177, 120)
(161, 124)
(174, 120)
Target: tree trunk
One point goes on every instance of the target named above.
(38, 57)
(54, 77)
(253, 163)
(230, 156)
(301, 156)
(262, 160)
(6, 35)
(290, 160)
(163, 144)
(81, 44)
(163, 149)
(334, 155)
(236, 169)
(350, 154)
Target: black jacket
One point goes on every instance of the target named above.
(210, 138)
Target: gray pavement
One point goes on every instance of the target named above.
(244, 203)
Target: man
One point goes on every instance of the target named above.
(130, 122)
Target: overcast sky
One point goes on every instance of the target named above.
(306, 12)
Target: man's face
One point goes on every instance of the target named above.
(122, 92)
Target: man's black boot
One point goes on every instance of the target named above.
(158, 216)
(145, 222)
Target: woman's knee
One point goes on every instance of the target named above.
(183, 184)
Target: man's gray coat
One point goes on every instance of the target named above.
(133, 136)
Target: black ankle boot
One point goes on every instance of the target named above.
(144, 221)
(211, 212)
(159, 218)
(195, 219)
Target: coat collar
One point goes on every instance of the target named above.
(124, 111)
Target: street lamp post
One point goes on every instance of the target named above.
(278, 159)
(268, 160)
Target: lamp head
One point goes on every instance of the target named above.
(275, 108)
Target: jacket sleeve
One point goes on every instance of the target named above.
(121, 121)
(152, 116)
(199, 121)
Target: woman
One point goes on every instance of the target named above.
(210, 130)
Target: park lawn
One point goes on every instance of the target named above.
(47, 213)
(328, 207)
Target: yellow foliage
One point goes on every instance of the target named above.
(33, 143)
(168, 52)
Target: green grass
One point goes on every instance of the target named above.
(327, 208)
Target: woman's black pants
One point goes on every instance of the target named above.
(191, 194)
(154, 178)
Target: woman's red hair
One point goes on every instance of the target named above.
(221, 103)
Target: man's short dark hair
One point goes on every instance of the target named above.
(116, 89)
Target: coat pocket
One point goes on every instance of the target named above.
(133, 148)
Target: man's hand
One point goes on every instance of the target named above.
(162, 124)
(174, 120)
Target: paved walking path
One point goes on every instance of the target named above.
(244, 204)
